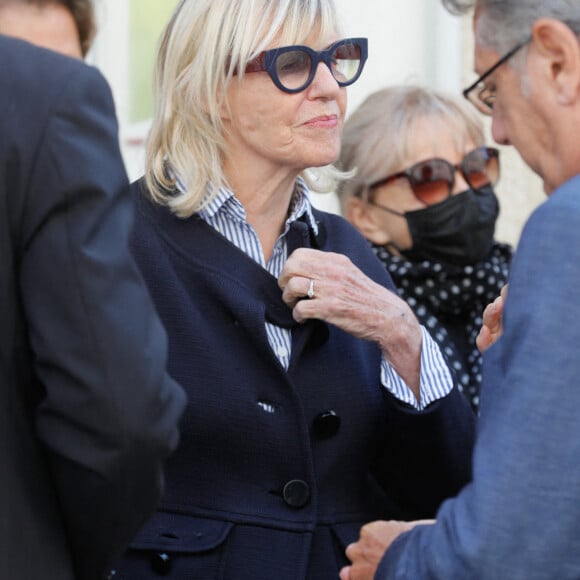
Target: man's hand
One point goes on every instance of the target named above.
(375, 539)
(492, 327)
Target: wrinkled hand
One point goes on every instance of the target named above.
(492, 327)
(350, 300)
(375, 539)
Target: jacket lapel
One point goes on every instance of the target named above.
(249, 291)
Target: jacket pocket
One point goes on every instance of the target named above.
(176, 546)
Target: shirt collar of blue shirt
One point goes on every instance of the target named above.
(225, 201)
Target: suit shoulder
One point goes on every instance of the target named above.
(20, 59)
(558, 214)
(30, 72)
(138, 188)
(334, 221)
(340, 231)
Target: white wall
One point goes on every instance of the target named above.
(410, 41)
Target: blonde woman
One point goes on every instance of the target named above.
(316, 400)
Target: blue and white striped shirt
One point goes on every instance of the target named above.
(227, 215)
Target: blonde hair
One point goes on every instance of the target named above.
(379, 135)
(203, 44)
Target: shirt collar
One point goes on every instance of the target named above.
(226, 202)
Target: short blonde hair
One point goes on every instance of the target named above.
(202, 45)
(379, 134)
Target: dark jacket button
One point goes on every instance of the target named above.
(296, 493)
(326, 424)
(161, 563)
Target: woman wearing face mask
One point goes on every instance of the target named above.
(423, 196)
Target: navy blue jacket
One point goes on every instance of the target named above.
(277, 470)
(87, 411)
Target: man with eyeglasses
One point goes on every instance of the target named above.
(520, 516)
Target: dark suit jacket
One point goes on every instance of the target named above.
(278, 469)
(87, 413)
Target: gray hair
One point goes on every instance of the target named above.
(203, 44)
(504, 23)
(378, 136)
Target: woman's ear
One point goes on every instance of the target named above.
(364, 218)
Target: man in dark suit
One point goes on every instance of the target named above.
(87, 412)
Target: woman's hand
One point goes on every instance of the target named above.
(492, 327)
(342, 295)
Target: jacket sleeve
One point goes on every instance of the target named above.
(108, 412)
(425, 456)
(520, 517)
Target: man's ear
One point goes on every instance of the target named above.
(560, 48)
(362, 216)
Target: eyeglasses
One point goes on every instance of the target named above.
(292, 68)
(432, 180)
(482, 96)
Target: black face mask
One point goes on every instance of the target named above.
(458, 230)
